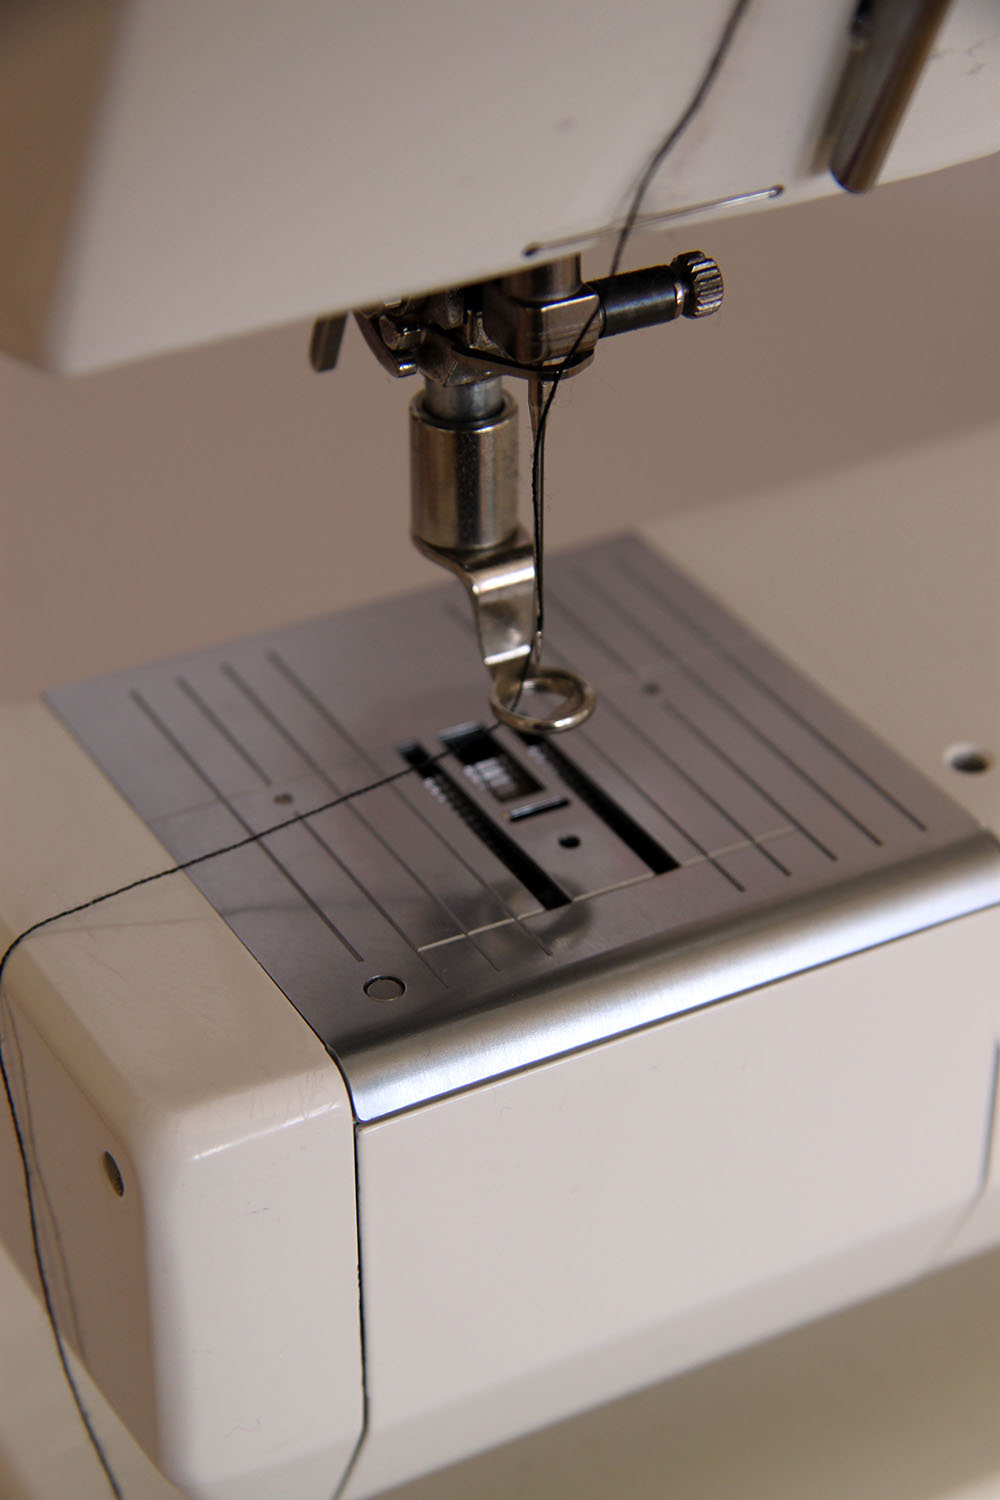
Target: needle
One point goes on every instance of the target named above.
(536, 402)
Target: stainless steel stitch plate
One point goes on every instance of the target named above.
(719, 823)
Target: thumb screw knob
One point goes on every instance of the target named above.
(700, 282)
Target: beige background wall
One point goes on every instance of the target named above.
(159, 506)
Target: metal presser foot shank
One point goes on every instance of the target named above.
(464, 493)
(540, 324)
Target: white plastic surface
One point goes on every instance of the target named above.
(881, 581)
(627, 1213)
(189, 171)
(215, 1302)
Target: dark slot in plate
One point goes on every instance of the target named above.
(520, 864)
(535, 809)
(631, 833)
(497, 771)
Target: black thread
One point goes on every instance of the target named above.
(537, 506)
(657, 159)
(26, 1170)
(50, 1313)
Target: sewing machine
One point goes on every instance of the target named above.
(636, 1028)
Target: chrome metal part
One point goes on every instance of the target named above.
(549, 282)
(537, 323)
(638, 299)
(324, 345)
(500, 582)
(891, 42)
(717, 825)
(532, 320)
(543, 314)
(513, 691)
(463, 480)
(474, 401)
(538, 333)
(691, 287)
(463, 470)
(700, 284)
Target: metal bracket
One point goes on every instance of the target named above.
(500, 583)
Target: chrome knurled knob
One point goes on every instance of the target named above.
(702, 282)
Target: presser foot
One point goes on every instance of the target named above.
(500, 583)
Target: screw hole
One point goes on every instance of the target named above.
(570, 841)
(112, 1172)
(384, 987)
(283, 798)
(652, 688)
(970, 760)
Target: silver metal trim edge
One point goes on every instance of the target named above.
(719, 962)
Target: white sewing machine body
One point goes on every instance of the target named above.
(540, 1221)
(197, 171)
(563, 1149)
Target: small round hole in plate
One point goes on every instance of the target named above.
(283, 799)
(570, 841)
(970, 760)
(112, 1172)
(384, 987)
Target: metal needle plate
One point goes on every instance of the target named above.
(717, 825)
